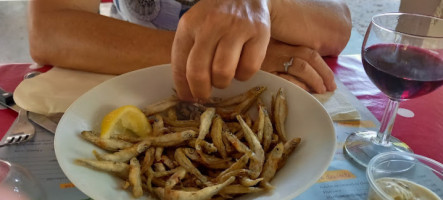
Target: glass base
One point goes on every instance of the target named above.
(361, 148)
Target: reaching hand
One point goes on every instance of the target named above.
(217, 41)
(308, 69)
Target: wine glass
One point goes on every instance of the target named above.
(17, 183)
(403, 56)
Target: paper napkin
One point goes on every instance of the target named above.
(53, 91)
(337, 105)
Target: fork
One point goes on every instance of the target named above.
(21, 130)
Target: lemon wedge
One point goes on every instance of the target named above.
(125, 118)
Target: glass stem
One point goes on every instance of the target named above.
(387, 122)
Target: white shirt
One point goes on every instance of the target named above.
(158, 14)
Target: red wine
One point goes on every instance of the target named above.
(403, 72)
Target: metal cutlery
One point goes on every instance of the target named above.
(21, 130)
(50, 124)
(6, 100)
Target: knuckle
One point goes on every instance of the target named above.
(214, 18)
(221, 85)
(246, 72)
(197, 77)
(185, 21)
(178, 68)
(179, 74)
(222, 73)
(311, 54)
(221, 78)
(302, 67)
(211, 18)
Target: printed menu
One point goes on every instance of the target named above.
(345, 179)
(38, 157)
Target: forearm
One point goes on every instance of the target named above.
(87, 41)
(323, 25)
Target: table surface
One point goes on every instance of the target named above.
(421, 131)
(419, 123)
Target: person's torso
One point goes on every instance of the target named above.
(159, 14)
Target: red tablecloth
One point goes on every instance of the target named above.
(423, 132)
(10, 76)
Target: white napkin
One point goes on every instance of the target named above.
(52, 92)
(337, 106)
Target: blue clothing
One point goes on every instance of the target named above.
(158, 14)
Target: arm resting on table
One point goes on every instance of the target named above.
(72, 34)
(322, 25)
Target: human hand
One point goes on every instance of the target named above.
(308, 69)
(217, 41)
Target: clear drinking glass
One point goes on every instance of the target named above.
(17, 183)
(403, 175)
(403, 56)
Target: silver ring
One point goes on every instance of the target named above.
(31, 74)
(288, 64)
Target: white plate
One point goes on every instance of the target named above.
(306, 119)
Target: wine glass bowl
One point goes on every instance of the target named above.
(402, 54)
(410, 72)
(17, 183)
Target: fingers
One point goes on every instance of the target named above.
(232, 56)
(307, 66)
(225, 61)
(315, 61)
(307, 73)
(252, 56)
(217, 41)
(214, 61)
(180, 50)
(293, 80)
(199, 66)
